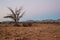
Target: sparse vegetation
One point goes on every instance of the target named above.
(15, 15)
(27, 24)
(28, 30)
(39, 32)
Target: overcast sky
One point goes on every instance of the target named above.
(35, 9)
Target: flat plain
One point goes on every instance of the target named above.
(35, 32)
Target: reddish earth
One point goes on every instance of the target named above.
(35, 32)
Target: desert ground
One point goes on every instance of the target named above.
(35, 32)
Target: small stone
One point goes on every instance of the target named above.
(55, 36)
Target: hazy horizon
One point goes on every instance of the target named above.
(35, 9)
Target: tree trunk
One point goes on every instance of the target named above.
(16, 23)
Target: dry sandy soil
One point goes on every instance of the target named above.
(36, 32)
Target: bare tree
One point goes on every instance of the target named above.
(15, 14)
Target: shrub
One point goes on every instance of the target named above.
(29, 24)
(25, 24)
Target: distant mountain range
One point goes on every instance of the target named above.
(58, 20)
(47, 20)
